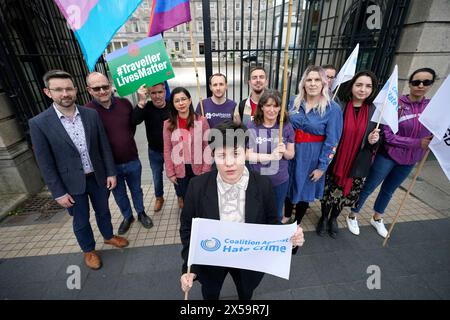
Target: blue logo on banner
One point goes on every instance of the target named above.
(212, 244)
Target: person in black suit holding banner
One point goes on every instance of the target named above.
(232, 185)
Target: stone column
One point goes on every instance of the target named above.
(19, 174)
(425, 41)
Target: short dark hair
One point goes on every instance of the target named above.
(218, 74)
(227, 134)
(254, 69)
(56, 74)
(347, 89)
(429, 70)
(329, 66)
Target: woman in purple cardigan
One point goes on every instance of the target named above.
(401, 151)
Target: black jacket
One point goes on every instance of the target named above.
(201, 201)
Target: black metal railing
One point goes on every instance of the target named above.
(322, 32)
(35, 38)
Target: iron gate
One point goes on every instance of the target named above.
(35, 38)
(252, 32)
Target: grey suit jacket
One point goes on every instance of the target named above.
(58, 158)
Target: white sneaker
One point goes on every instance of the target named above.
(352, 225)
(379, 226)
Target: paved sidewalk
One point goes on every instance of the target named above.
(413, 266)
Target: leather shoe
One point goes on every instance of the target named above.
(181, 202)
(158, 204)
(294, 250)
(118, 242)
(322, 226)
(125, 225)
(145, 220)
(92, 260)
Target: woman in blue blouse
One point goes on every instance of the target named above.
(317, 122)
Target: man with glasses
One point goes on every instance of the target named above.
(154, 113)
(75, 159)
(115, 114)
(330, 71)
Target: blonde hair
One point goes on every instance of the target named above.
(324, 94)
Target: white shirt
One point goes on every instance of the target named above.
(232, 198)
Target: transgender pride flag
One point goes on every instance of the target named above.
(167, 14)
(95, 22)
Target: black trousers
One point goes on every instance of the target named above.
(213, 277)
(300, 209)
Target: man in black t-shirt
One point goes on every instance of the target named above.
(154, 113)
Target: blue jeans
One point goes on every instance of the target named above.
(157, 165)
(280, 192)
(393, 174)
(129, 173)
(80, 212)
(183, 183)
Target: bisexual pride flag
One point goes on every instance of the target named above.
(95, 22)
(167, 14)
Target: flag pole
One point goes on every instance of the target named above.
(186, 294)
(335, 93)
(413, 182)
(285, 73)
(194, 53)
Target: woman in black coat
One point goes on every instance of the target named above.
(352, 161)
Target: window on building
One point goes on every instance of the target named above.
(177, 45)
(175, 29)
(237, 5)
(249, 44)
(225, 45)
(225, 25)
(261, 44)
(199, 26)
(237, 45)
(213, 45)
(261, 25)
(188, 26)
(237, 25)
(249, 26)
(201, 48)
(188, 46)
(213, 25)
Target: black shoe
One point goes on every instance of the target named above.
(294, 250)
(322, 226)
(333, 227)
(125, 225)
(145, 220)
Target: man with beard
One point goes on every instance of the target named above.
(217, 108)
(75, 159)
(257, 81)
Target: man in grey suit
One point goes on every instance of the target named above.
(76, 162)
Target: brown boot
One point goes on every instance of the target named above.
(92, 260)
(118, 242)
(180, 202)
(158, 204)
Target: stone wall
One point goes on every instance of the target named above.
(425, 41)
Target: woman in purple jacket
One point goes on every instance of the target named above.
(400, 153)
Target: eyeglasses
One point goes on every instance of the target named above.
(426, 82)
(180, 100)
(97, 89)
(61, 90)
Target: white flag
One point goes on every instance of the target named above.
(436, 116)
(348, 69)
(387, 103)
(441, 149)
(258, 247)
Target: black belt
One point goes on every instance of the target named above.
(89, 174)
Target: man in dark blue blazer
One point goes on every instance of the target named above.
(76, 162)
